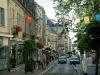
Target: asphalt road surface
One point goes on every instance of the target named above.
(61, 69)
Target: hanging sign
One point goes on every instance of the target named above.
(28, 19)
(97, 17)
(86, 20)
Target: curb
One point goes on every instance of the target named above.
(17, 67)
(12, 70)
(48, 69)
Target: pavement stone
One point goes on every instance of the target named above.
(20, 70)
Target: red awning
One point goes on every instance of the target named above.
(41, 46)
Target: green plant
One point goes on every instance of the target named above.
(30, 45)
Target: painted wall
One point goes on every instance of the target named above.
(3, 4)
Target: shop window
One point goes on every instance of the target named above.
(20, 47)
(2, 53)
(3, 59)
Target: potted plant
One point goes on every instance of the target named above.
(29, 47)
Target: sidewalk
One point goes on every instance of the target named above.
(20, 70)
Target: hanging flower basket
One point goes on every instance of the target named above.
(19, 28)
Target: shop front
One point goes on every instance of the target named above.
(4, 52)
(16, 55)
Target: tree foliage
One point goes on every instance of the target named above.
(80, 8)
(30, 45)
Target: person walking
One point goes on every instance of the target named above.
(39, 62)
(44, 61)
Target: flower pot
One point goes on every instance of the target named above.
(29, 67)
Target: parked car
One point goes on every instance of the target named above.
(67, 56)
(62, 59)
(74, 60)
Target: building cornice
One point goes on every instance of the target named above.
(17, 2)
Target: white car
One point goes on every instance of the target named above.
(62, 59)
(74, 60)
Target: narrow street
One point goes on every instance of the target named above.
(36, 36)
(64, 69)
(57, 69)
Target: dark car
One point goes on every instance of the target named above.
(62, 60)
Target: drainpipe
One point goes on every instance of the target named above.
(8, 59)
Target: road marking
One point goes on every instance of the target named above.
(47, 69)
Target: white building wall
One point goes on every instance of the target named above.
(3, 4)
(14, 11)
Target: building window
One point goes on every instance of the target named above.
(19, 19)
(2, 19)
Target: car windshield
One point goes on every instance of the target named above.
(74, 58)
(62, 57)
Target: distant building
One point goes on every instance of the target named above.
(51, 35)
(52, 40)
(63, 41)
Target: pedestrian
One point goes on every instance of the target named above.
(13, 61)
(39, 62)
(44, 61)
(47, 61)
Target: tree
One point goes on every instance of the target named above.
(82, 8)
(79, 8)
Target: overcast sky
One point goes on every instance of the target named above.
(48, 7)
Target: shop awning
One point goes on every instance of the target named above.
(6, 35)
(40, 46)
